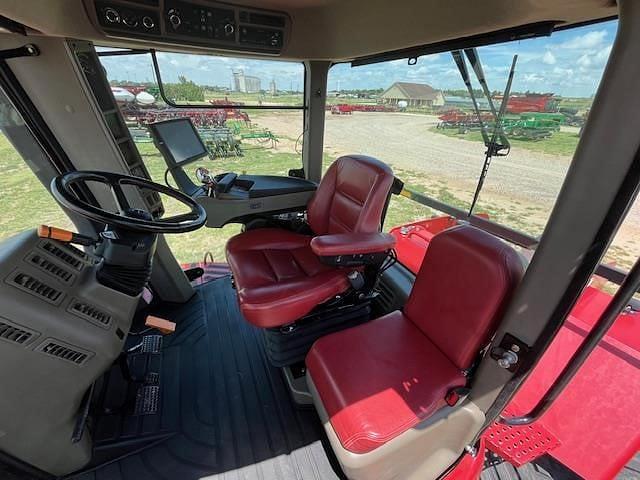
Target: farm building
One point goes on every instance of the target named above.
(415, 94)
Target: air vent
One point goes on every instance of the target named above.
(35, 287)
(63, 352)
(63, 255)
(13, 333)
(51, 268)
(90, 313)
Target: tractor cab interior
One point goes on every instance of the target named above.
(319, 345)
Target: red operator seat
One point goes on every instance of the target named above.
(279, 275)
(377, 381)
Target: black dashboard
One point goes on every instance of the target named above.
(194, 22)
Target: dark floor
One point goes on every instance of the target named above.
(224, 411)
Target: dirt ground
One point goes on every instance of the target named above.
(521, 187)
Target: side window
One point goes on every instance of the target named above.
(420, 119)
(24, 201)
(257, 128)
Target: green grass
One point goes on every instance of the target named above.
(24, 202)
(288, 99)
(579, 103)
(560, 143)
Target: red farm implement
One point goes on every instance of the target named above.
(342, 109)
(348, 109)
(532, 102)
(456, 118)
(200, 117)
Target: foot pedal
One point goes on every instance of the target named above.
(194, 273)
(151, 344)
(147, 399)
(164, 326)
(152, 378)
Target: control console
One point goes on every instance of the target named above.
(196, 22)
(127, 19)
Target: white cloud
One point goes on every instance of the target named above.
(532, 78)
(584, 61)
(586, 41)
(549, 58)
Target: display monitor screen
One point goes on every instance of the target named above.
(180, 140)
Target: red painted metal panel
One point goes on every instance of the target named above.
(596, 417)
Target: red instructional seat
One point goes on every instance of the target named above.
(279, 275)
(380, 379)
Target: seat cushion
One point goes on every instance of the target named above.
(278, 278)
(379, 379)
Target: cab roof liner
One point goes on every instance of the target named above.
(334, 30)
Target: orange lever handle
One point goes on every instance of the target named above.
(55, 233)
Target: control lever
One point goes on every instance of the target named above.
(65, 236)
(204, 176)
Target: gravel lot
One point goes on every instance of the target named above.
(523, 185)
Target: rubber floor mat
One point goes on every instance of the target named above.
(223, 410)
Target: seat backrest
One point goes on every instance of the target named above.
(465, 281)
(351, 196)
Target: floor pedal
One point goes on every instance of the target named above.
(152, 378)
(151, 344)
(147, 399)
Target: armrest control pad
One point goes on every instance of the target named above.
(352, 244)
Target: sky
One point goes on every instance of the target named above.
(569, 63)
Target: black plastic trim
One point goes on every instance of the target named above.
(12, 26)
(118, 53)
(585, 23)
(531, 30)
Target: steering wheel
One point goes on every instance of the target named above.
(127, 218)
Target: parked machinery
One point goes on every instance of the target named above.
(221, 141)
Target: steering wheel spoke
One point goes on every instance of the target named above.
(120, 197)
(183, 217)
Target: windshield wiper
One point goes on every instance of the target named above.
(493, 146)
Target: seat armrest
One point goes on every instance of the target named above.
(352, 244)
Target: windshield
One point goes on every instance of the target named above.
(248, 114)
(420, 118)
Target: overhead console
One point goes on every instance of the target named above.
(194, 22)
